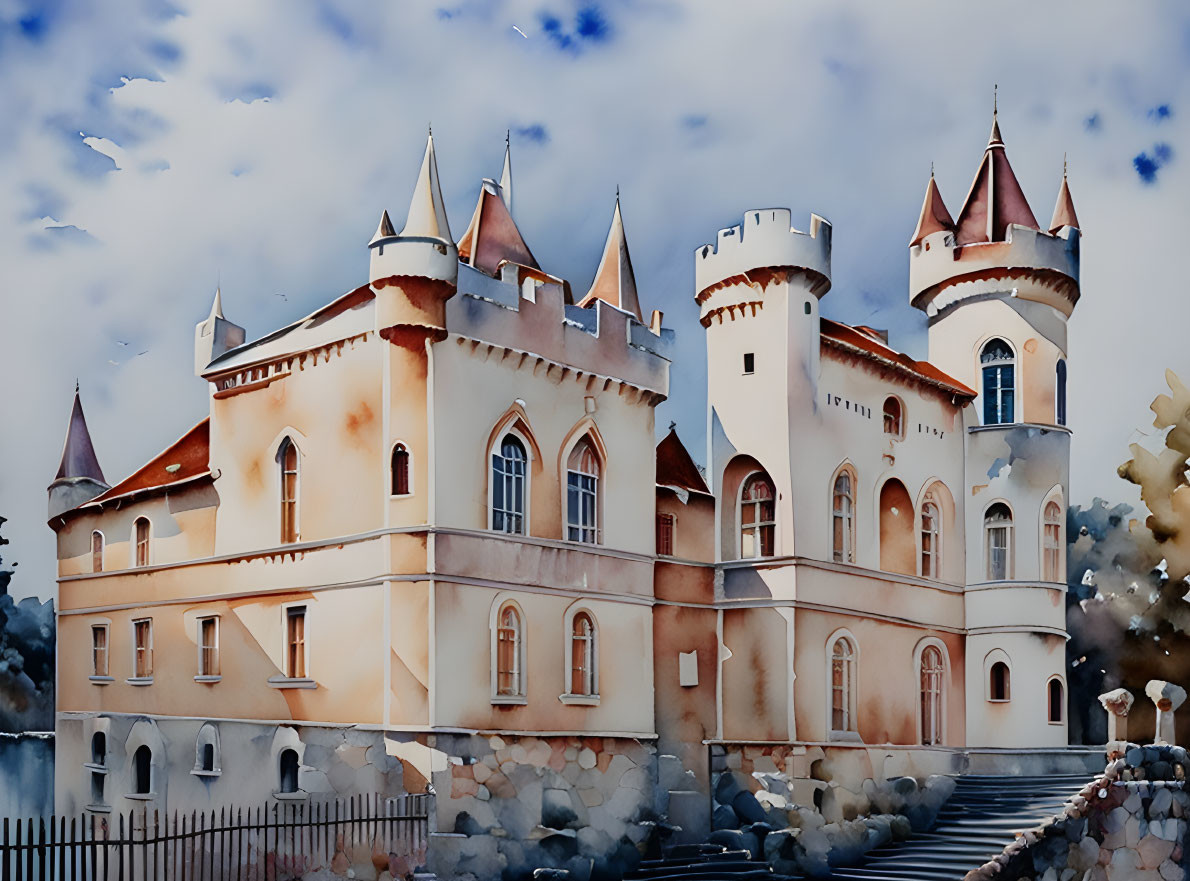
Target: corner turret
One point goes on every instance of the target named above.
(214, 336)
(79, 478)
(614, 281)
(414, 272)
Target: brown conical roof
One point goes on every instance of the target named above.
(676, 468)
(995, 200)
(492, 235)
(1064, 209)
(614, 280)
(78, 455)
(934, 215)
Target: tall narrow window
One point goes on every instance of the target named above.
(665, 535)
(208, 757)
(758, 517)
(1057, 701)
(898, 547)
(582, 494)
(842, 684)
(932, 670)
(1052, 541)
(997, 527)
(400, 470)
(843, 519)
(892, 417)
(142, 640)
(99, 748)
(1060, 392)
(999, 682)
(142, 771)
(998, 382)
(295, 642)
(931, 538)
(99, 650)
(287, 456)
(288, 769)
(509, 470)
(98, 766)
(208, 646)
(582, 655)
(141, 531)
(508, 653)
(96, 551)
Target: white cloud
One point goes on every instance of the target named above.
(259, 142)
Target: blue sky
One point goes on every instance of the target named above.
(153, 149)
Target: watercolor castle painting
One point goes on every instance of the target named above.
(439, 581)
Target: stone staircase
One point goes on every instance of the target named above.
(704, 862)
(977, 823)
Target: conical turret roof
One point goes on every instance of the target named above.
(384, 230)
(934, 215)
(506, 176)
(78, 455)
(995, 200)
(427, 213)
(492, 235)
(1064, 209)
(614, 281)
(676, 468)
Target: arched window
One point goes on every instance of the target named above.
(893, 421)
(509, 653)
(206, 751)
(288, 767)
(142, 771)
(582, 494)
(842, 685)
(509, 486)
(843, 518)
(99, 748)
(897, 546)
(931, 539)
(208, 757)
(400, 470)
(287, 458)
(758, 513)
(1060, 392)
(141, 530)
(998, 382)
(997, 527)
(1056, 700)
(1052, 542)
(932, 671)
(999, 682)
(97, 551)
(584, 678)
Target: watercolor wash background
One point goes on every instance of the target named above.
(152, 150)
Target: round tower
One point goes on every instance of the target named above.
(414, 272)
(998, 290)
(757, 288)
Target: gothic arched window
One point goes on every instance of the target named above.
(998, 363)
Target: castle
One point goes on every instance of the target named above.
(422, 537)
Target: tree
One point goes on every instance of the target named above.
(26, 659)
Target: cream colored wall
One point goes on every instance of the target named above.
(463, 658)
(1022, 721)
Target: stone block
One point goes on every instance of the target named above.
(691, 812)
(557, 811)
(1171, 871)
(587, 759)
(723, 817)
(1153, 851)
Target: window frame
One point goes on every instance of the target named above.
(899, 418)
(995, 406)
(993, 659)
(290, 611)
(518, 694)
(1010, 540)
(846, 554)
(204, 673)
(938, 700)
(290, 508)
(148, 791)
(849, 687)
(98, 553)
(98, 770)
(399, 446)
(669, 532)
(140, 560)
(757, 527)
(282, 789)
(106, 675)
(591, 658)
(142, 674)
(1057, 529)
(525, 477)
(588, 532)
(208, 736)
(934, 570)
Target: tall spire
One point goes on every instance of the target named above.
(1064, 208)
(934, 214)
(427, 212)
(995, 200)
(506, 174)
(216, 307)
(614, 280)
(78, 455)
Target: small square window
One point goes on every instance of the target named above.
(749, 362)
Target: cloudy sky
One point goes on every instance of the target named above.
(152, 150)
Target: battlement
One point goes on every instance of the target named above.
(766, 239)
(522, 312)
(1041, 266)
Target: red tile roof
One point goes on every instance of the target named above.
(676, 468)
(190, 453)
(867, 345)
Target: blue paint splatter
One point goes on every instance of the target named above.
(1147, 164)
(445, 14)
(1093, 123)
(694, 121)
(1162, 153)
(1160, 113)
(34, 27)
(590, 26)
(337, 23)
(535, 132)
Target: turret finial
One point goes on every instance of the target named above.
(617, 192)
(508, 137)
(76, 385)
(931, 168)
(995, 98)
(1063, 166)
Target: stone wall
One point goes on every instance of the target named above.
(1129, 825)
(508, 805)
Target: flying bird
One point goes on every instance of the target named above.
(519, 31)
(282, 296)
(121, 343)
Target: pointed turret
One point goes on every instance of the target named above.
(214, 336)
(995, 200)
(614, 281)
(1064, 209)
(506, 175)
(934, 215)
(492, 236)
(384, 230)
(79, 478)
(427, 213)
